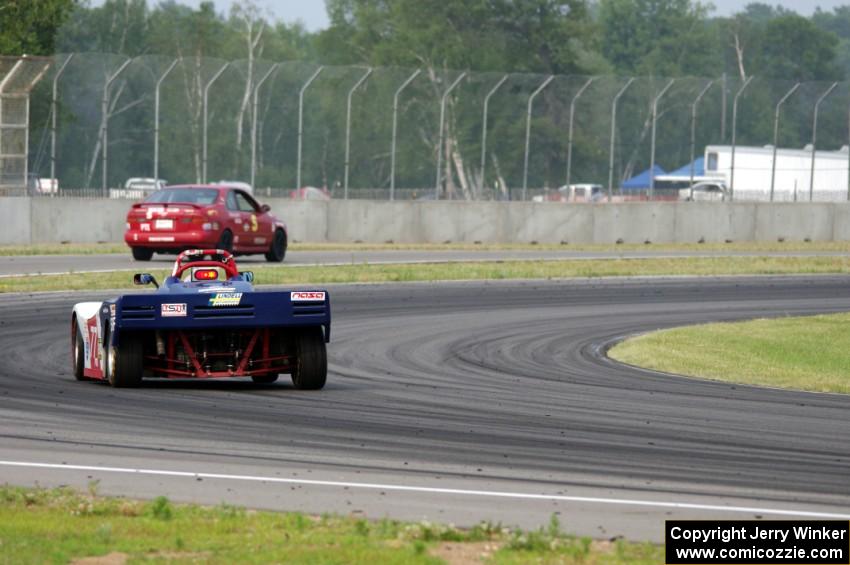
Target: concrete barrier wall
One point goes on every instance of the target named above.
(78, 220)
(46, 220)
(15, 226)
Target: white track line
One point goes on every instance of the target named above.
(431, 490)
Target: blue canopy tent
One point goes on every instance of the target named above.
(699, 169)
(641, 181)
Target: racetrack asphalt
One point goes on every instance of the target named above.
(453, 402)
(55, 264)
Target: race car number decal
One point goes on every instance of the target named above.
(173, 311)
(301, 296)
(226, 299)
(92, 348)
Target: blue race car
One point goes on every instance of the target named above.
(202, 324)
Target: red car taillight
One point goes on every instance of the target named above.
(196, 220)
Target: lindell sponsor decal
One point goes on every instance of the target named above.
(173, 310)
(226, 299)
(301, 296)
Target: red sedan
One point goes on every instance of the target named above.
(207, 216)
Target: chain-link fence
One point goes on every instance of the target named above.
(18, 76)
(395, 133)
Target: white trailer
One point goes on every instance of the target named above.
(754, 165)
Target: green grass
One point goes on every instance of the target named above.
(59, 525)
(101, 248)
(484, 270)
(62, 249)
(803, 353)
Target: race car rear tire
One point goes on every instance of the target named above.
(124, 363)
(142, 253)
(264, 379)
(311, 360)
(78, 350)
(277, 251)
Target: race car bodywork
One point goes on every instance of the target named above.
(204, 327)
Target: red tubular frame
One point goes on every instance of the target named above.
(267, 363)
(185, 261)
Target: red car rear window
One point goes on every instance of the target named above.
(203, 196)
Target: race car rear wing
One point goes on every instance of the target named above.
(222, 310)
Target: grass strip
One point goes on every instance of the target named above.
(803, 353)
(62, 249)
(484, 270)
(62, 525)
(742, 247)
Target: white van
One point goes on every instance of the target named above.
(582, 192)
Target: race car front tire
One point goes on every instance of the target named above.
(277, 251)
(142, 253)
(124, 363)
(78, 350)
(311, 360)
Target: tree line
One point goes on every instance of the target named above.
(632, 37)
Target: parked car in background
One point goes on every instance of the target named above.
(183, 217)
(706, 192)
(573, 193)
(310, 193)
(237, 184)
(582, 192)
(38, 186)
(138, 188)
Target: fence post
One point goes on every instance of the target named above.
(815, 137)
(156, 117)
(254, 116)
(570, 133)
(348, 128)
(484, 129)
(776, 136)
(301, 124)
(723, 105)
(206, 124)
(443, 101)
(613, 136)
(404, 85)
(54, 107)
(104, 133)
(531, 98)
(735, 135)
(694, 130)
(652, 143)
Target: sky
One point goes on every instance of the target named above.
(313, 15)
(805, 7)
